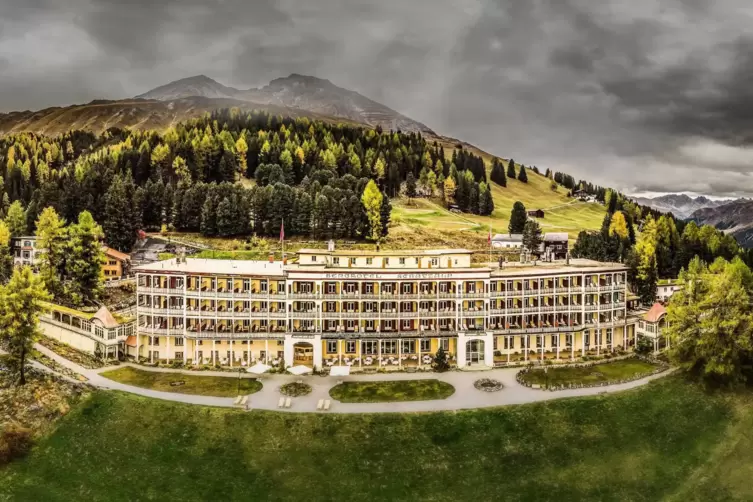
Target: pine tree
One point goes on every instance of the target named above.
(385, 214)
(410, 186)
(518, 218)
(52, 236)
(20, 306)
(225, 220)
(532, 236)
(498, 174)
(522, 176)
(118, 220)
(485, 200)
(85, 259)
(209, 217)
(511, 170)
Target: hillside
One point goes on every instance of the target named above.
(428, 221)
(138, 114)
(734, 218)
(681, 205)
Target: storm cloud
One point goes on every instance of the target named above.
(640, 95)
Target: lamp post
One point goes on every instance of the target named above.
(546, 374)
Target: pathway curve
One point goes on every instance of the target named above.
(466, 396)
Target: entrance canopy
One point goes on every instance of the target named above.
(299, 370)
(259, 368)
(339, 371)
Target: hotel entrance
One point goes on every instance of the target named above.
(474, 352)
(303, 353)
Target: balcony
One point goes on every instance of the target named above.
(304, 296)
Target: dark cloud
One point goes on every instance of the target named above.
(642, 95)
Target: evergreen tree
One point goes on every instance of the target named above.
(532, 236)
(225, 218)
(485, 200)
(522, 176)
(511, 170)
(84, 260)
(385, 214)
(498, 174)
(410, 186)
(20, 306)
(118, 225)
(518, 218)
(52, 236)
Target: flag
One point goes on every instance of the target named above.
(282, 231)
(490, 234)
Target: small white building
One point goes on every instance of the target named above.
(507, 241)
(25, 251)
(653, 326)
(665, 290)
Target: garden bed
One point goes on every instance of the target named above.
(88, 361)
(182, 383)
(589, 374)
(391, 391)
(295, 389)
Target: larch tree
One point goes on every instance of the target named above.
(372, 203)
(241, 150)
(449, 190)
(52, 236)
(21, 303)
(532, 236)
(618, 225)
(6, 258)
(16, 219)
(181, 170)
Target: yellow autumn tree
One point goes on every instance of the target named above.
(618, 225)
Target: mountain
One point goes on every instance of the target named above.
(302, 92)
(680, 205)
(734, 218)
(200, 85)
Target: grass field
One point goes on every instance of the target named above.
(618, 370)
(562, 214)
(399, 390)
(666, 441)
(192, 384)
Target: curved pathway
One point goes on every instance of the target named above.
(466, 396)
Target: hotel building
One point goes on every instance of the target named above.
(373, 309)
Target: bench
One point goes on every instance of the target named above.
(320, 405)
(326, 405)
(281, 402)
(237, 401)
(288, 402)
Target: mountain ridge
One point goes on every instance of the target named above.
(735, 218)
(679, 204)
(305, 92)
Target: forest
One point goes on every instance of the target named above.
(310, 174)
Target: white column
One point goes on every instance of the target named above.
(185, 350)
(248, 352)
(379, 352)
(138, 346)
(213, 351)
(288, 348)
(460, 351)
(559, 342)
(318, 351)
(489, 349)
(167, 348)
(232, 355)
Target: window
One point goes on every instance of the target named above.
(434, 262)
(406, 324)
(368, 288)
(350, 347)
(524, 342)
(555, 341)
(386, 261)
(402, 261)
(586, 340)
(507, 345)
(425, 345)
(352, 261)
(389, 347)
(179, 341)
(330, 288)
(179, 355)
(568, 340)
(408, 346)
(313, 257)
(369, 347)
(369, 261)
(331, 346)
(335, 260)
(539, 341)
(444, 344)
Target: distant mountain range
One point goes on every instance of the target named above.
(681, 205)
(734, 218)
(296, 91)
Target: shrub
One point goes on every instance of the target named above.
(15, 442)
(644, 346)
(441, 363)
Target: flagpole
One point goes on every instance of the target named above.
(490, 240)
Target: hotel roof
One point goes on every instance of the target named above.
(392, 252)
(219, 267)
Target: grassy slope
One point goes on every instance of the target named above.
(668, 440)
(193, 384)
(562, 214)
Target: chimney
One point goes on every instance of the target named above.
(271, 257)
(284, 260)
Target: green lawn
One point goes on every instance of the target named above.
(666, 441)
(399, 390)
(192, 384)
(618, 370)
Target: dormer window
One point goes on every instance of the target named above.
(335, 260)
(313, 257)
(402, 261)
(352, 261)
(369, 261)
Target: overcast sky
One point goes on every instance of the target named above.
(641, 95)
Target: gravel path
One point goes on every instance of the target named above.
(466, 396)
